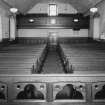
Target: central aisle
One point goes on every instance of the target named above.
(52, 64)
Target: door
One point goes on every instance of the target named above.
(53, 38)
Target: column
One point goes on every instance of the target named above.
(96, 27)
(1, 34)
(12, 28)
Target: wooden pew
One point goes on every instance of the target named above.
(21, 59)
(83, 57)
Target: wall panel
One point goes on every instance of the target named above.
(45, 21)
(45, 32)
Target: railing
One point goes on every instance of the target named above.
(89, 87)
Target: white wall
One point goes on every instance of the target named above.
(62, 8)
(5, 26)
(45, 32)
(101, 11)
(1, 29)
(5, 22)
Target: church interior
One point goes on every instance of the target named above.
(52, 52)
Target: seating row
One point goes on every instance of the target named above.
(33, 40)
(21, 59)
(83, 58)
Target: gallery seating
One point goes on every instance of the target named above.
(21, 59)
(83, 58)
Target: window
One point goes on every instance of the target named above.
(52, 10)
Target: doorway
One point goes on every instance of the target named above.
(53, 38)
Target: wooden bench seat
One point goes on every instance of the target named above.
(18, 54)
(81, 72)
(88, 68)
(16, 71)
(83, 59)
(15, 65)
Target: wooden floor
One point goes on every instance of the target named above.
(52, 64)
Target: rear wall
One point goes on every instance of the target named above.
(63, 8)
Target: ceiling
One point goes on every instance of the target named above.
(25, 5)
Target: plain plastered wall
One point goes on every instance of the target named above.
(61, 7)
(45, 32)
(101, 12)
(4, 22)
